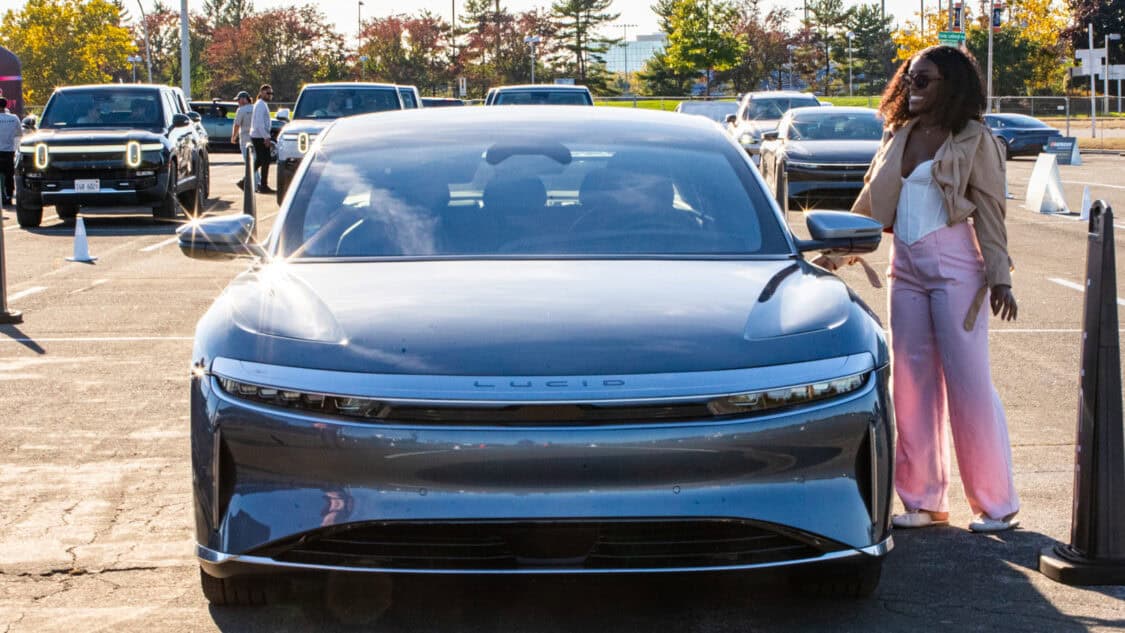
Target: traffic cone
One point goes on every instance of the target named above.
(81, 248)
(1085, 204)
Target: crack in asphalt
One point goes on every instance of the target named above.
(79, 571)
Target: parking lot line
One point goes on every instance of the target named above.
(26, 293)
(1078, 287)
(1092, 184)
(166, 242)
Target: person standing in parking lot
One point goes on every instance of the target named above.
(938, 183)
(260, 137)
(240, 133)
(10, 130)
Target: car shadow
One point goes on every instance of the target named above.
(937, 579)
(138, 223)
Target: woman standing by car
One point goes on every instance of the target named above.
(938, 182)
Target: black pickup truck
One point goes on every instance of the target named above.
(111, 146)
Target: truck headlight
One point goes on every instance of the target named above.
(132, 154)
(303, 142)
(42, 156)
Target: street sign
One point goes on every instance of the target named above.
(950, 38)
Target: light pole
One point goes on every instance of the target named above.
(358, 22)
(148, 48)
(363, 67)
(790, 48)
(185, 50)
(625, 49)
(1093, 86)
(850, 35)
(532, 40)
(133, 59)
(1105, 78)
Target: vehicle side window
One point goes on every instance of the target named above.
(169, 107)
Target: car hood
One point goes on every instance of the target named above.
(849, 151)
(308, 126)
(92, 136)
(757, 126)
(536, 317)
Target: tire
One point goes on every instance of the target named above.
(282, 184)
(168, 207)
(237, 591)
(781, 193)
(855, 580)
(205, 176)
(29, 215)
(67, 212)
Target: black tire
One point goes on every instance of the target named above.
(67, 212)
(282, 184)
(205, 179)
(169, 206)
(781, 193)
(29, 215)
(237, 591)
(854, 580)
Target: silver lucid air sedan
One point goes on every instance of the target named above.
(536, 340)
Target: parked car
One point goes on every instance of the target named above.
(109, 146)
(717, 111)
(817, 157)
(318, 105)
(441, 102)
(410, 97)
(539, 94)
(217, 118)
(1021, 135)
(760, 112)
(536, 341)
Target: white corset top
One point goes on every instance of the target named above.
(921, 210)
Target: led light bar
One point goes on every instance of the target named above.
(755, 401)
(318, 402)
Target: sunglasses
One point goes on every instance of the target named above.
(919, 82)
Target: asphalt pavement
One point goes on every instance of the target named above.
(95, 479)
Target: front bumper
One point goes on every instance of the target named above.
(269, 481)
(116, 187)
(824, 186)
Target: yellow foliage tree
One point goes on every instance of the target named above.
(65, 42)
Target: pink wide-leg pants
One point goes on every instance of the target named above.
(935, 362)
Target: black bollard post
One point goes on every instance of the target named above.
(249, 207)
(1096, 553)
(7, 316)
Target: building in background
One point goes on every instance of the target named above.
(637, 52)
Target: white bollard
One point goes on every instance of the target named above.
(81, 247)
(1086, 202)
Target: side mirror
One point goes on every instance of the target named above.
(769, 136)
(194, 116)
(840, 233)
(283, 114)
(180, 120)
(731, 119)
(30, 122)
(221, 237)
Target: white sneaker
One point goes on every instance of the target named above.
(986, 524)
(917, 519)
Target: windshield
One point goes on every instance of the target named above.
(532, 197)
(101, 107)
(715, 110)
(835, 126)
(333, 103)
(542, 97)
(773, 109)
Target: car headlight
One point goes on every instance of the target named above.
(132, 154)
(797, 163)
(303, 142)
(289, 136)
(756, 401)
(304, 401)
(748, 139)
(42, 156)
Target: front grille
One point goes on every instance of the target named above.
(550, 415)
(562, 546)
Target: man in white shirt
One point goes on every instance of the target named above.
(260, 137)
(10, 130)
(240, 133)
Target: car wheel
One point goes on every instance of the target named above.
(28, 214)
(282, 184)
(853, 580)
(204, 176)
(238, 590)
(169, 205)
(67, 212)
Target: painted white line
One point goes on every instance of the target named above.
(96, 339)
(90, 287)
(1092, 184)
(166, 242)
(26, 293)
(1078, 287)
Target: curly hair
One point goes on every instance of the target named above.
(961, 97)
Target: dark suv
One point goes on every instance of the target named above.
(111, 145)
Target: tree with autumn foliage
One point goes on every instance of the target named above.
(766, 53)
(406, 50)
(61, 42)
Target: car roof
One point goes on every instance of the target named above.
(541, 87)
(775, 94)
(520, 121)
(113, 87)
(349, 84)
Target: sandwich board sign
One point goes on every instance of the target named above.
(1065, 150)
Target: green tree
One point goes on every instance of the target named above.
(873, 52)
(222, 13)
(702, 37)
(63, 42)
(828, 20)
(578, 22)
